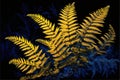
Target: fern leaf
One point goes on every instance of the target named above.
(96, 47)
(31, 64)
(69, 61)
(90, 36)
(60, 52)
(85, 44)
(44, 42)
(24, 44)
(94, 28)
(46, 25)
(39, 59)
(56, 49)
(26, 68)
(91, 25)
(89, 40)
(22, 64)
(35, 56)
(83, 59)
(37, 75)
(68, 23)
(108, 38)
(31, 70)
(93, 32)
(62, 57)
(31, 51)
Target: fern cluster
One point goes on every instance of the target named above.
(67, 42)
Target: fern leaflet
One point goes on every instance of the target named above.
(46, 25)
(24, 45)
(90, 27)
(68, 24)
(24, 65)
(108, 38)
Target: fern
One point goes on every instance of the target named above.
(51, 34)
(24, 65)
(24, 45)
(37, 75)
(44, 42)
(36, 60)
(108, 38)
(46, 25)
(90, 27)
(68, 24)
(65, 42)
(67, 35)
(57, 44)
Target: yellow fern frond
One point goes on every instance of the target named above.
(90, 27)
(30, 50)
(24, 65)
(44, 42)
(35, 61)
(24, 45)
(56, 42)
(83, 59)
(69, 61)
(37, 75)
(63, 56)
(55, 45)
(108, 38)
(68, 23)
(67, 35)
(59, 50)
(45, 24)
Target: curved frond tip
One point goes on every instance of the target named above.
(107, 39)
(47, 26)
(24, 65)
(90, 27)
(24, 44)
